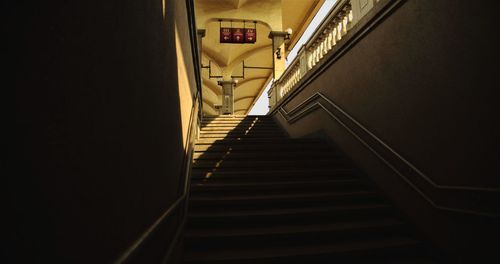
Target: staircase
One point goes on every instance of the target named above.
(258, 196)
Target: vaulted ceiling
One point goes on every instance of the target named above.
(226, 60)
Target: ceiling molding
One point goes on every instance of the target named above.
(212, 86)
(207, 101)
(247, 80)
(210, 110)
(213, 56)
(247, 54)
(244, 98)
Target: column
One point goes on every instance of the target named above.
(227, 96)
(279, 53)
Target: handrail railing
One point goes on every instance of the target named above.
(342, 17)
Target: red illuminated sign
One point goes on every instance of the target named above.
(238, 35)
(226, 35)
(250, 35)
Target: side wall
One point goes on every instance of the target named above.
(101, 130)
(423, 81)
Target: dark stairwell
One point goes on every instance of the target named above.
(257, 196)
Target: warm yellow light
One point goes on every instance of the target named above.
(163, 8)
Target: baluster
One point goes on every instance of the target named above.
(325, 44)
(339, 31)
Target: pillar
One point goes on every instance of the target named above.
(279, 52)
(227, 96)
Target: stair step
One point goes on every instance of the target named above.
(277, 197)
(203, 202)
(240, 136)
(290, 187)
(239, 126)
(267, 155)
(234, 237)
(237, 117)
(258, 184)
(289, 229)
(288, 211)
(236, 122)
(259, 128)
(281, 173)
(274, 164)
(256, 147)
(241, 133)
(360, 249)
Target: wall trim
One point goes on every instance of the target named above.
(395, 161)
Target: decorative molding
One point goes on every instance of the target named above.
(386, 154)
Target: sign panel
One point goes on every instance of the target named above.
(226, 35)
(238, 35)
(250, 35)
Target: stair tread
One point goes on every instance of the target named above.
(288, 229)
(287, 211)
(302, 250)
(256, 184)
(279, 172)
(278, 196)
(251, 141)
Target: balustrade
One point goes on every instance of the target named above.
(343, 16)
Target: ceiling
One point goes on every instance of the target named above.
(226, 60)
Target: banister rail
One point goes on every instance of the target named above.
(342, 17)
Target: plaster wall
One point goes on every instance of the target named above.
(423, 80)
(103, 94)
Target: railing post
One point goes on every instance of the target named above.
(272, 95)
(303, 64)
(360, 8)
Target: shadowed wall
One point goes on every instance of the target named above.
(423, 81)
(98, 123)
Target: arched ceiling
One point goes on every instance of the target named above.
(226, 60)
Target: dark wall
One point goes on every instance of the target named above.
(99, 141)
(424, 81)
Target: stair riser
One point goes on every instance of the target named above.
(247, 119)
(294, 239)
(375, 255)
(241, 136)
(227, 129)
(309, 187)
(244, 179)
(268, 169)
(243, 123)
(278, 219)
(290, 163)
(257, 147)
(302, 155)
(268, 174)
(241, 132)
(199, 206)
